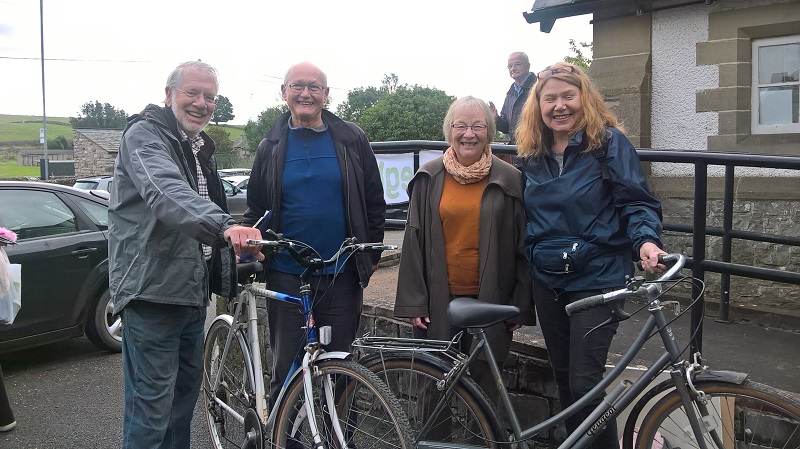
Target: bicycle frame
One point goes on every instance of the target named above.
(618, 399)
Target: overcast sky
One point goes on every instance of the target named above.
(121, 52)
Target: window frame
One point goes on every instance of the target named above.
(755, 101)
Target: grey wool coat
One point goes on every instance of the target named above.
(422, 285)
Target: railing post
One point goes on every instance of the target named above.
(727, 226)
(699, 252)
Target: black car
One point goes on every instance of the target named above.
(62, 245)
(237, 200)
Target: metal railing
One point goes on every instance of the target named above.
(699, 228)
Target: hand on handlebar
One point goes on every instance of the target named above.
(649, 253)
(238, 236)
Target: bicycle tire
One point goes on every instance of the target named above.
(413, 376)
(368, 413)
(739, 416)
(236, 387)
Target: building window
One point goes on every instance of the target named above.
(776, 85)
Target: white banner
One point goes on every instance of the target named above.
(397, 171)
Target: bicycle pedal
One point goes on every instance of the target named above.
(325, 335)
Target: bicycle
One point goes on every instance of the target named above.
(328, 400)
(694, 407)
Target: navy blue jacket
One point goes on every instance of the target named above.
(609, 220)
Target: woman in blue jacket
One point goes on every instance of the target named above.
(589, 212)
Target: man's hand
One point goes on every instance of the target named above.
(649, 253)
(493, 109)
(238, 236)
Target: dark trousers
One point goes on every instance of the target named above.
(336, 303)
(6, 414)
(578, 362)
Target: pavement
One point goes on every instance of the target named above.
(767, 348)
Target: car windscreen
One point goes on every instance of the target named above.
(85, 185)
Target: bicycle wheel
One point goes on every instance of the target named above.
(365, 410)
(750, 415)
(234, 389)
(468, 418)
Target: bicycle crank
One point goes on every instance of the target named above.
(254, 438)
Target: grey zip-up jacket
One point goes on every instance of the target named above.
(157, 220)
(362, 189)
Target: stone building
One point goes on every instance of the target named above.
(95, 151)
(721, 76)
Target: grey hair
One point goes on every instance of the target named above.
(176, 77)
(468, 102)
(519, 53)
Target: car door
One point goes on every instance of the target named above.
(57, 246)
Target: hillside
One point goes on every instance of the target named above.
(22, 131)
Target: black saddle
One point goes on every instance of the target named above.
(469, 312)
(244, 271)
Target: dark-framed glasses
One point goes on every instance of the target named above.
(550, 72)
(193, 94)
(299, 87)
(460, 127)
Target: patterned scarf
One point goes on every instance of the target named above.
(471, 174)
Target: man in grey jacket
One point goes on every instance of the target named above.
(168, 228)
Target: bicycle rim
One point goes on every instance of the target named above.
(750, 415)
(468, 418)
(367, 413)
(235, 387)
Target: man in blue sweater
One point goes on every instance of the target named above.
(318, 177)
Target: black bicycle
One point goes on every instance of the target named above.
(696, 407)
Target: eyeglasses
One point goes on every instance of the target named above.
(193, 94)
(475, 128)
(517, 64)
(312, 88)
(550, 72)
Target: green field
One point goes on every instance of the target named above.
(10, 169)
(24, 129)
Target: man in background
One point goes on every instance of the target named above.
(519, 68)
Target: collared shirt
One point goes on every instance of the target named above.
(196, 143)
(518, 87)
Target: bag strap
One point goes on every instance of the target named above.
(600, 155)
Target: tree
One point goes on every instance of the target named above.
(225, 152)
(223, 110)
(411, 113)
(100, 116)
(358, 101)
(255, 131)
(579, 59)
(59, 143)
(389, 83)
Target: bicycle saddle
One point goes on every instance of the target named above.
(469, 312)
(245, 270)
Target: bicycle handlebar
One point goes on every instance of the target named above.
(675, 261)
(349, 245)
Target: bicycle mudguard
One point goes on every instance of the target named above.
(224, 317)
(731, 377)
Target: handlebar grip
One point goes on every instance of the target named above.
(584, 304)
(663, 259)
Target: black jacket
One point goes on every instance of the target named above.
(362, 187)
(512, 108)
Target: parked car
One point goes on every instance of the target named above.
(237, 200)
(94, 183)
(223, 172)
(238, 181)
(62, 246)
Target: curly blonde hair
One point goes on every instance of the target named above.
(533, 136)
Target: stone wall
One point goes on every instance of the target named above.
(95, 151)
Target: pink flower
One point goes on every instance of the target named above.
(10, 235)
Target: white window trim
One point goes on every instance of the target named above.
(755, 100)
